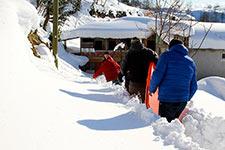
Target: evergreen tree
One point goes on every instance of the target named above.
(223, 17)
(64, 12)
(146, 4)
(76, 4)
(204, 17)
(125, 2)
(216, 14)
(135, 3)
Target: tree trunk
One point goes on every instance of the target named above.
(55, 31)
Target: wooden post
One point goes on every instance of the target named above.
(55, 31)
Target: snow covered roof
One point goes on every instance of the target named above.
(126, 27)
(129, 27)
(215, 39)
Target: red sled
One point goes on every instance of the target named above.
(152, 101)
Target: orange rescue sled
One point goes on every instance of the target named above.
(151, 101)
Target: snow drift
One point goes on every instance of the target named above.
(213, 85)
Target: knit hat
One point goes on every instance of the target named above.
(174, 42)
(136, 44)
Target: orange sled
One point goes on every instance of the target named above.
(151, 101)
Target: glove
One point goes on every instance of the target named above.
(94, 76)
(120, 77)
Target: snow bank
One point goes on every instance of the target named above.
(32, 115)
(213, 85)
(17, 18)
(27, 15)
(174, 133)
(68, 63)
(198, 130)
(206, 130)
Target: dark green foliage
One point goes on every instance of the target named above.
(204, 17)
(103, 14)
(76, 4)
(66, 8)
(121, 14)
(135, 3)
(125, 2)
(146, 4)
(213, 14)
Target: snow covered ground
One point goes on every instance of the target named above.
(43, 108)
(83, 16)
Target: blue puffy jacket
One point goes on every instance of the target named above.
(175, 75)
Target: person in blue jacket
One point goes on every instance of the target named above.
(175, 76)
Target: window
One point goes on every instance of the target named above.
(87, 43)
(223, 56)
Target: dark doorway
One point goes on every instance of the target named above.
(111, 44)
(98, 45)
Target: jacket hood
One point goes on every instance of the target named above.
(180, 48)
(136, 45)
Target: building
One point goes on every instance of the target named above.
(206, 41)
(114, 37)
(207, 48)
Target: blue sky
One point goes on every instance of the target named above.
(203, 3)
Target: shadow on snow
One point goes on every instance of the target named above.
(125, 121)
(93, 97)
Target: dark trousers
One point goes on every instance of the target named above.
(171, 111)
(116, 82)
(137, 89)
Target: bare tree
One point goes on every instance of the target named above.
(166, 14)
(169, 15)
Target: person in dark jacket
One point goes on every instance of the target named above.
(109, 67)
(135, 67)
(175, 76)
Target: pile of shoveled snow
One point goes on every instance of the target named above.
(213, 85)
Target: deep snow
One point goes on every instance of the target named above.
(45, 108)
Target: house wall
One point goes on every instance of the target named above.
(209, 62)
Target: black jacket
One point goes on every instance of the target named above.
(136, 62)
